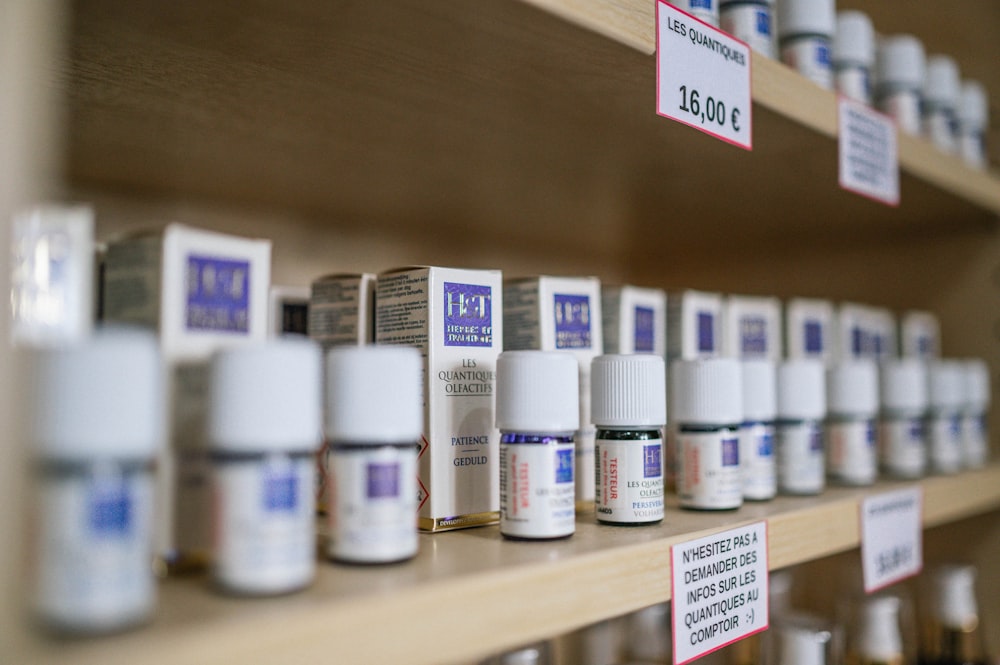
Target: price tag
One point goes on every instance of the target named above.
(702, 76)
(869, 157)
(891, 537)
(719, 590)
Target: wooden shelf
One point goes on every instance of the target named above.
(470, 593)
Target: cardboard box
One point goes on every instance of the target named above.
(289, 310)
(342, 310)
(694, 325)
(809, 329)
(635, 320)
(751, 328)
(921, 335)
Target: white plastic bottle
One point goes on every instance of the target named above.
(751, 21)
(941, 98)
(799, 434)
(900, 70)
(973, 121)
(264, 420)
(97, 420)
(805, 32)
(802, 639)
(374, 420)
(955, 628)
(975, 414)
(902, 436)
(854, 55)
(944, 416)
(757, 431)
(706, 10)
(852, 406)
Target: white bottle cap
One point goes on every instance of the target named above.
(628, 390)
(759, 390)
(801, 389)
(903, 384)
(526, 656)
(852, 389)
(806, 17)
(266, 397)
(946, 389)
(901, 62)
(973, 107)
(538, 391)
(648, 633)
(977, 385)
(956, 601)
(854, 41)
(102, 396)
(941, 85)
(880, 639)
(708, 391)
(374, 394)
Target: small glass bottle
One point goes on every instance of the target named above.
(899, 77)
(264, 419)
(852, 405)
(902, 437)
(942, 88)
(973, 121)
(878, 640)
(97, 423)
(538, 409)
(374, 421)
(757, 432)
(799, 432)
(629, 409)
(751, 21)
(854, 56)
(705, 10)
(956, 636)
(805, 30)
(707, 405)
(975, 428)
(944, 416)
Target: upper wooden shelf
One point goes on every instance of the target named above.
(470, 593)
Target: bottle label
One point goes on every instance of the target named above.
(811, 58)
(800, 458)
(760, 481)
(537, 497)
(629, 481)
(709, 474)
(852, 457)
(903, 446)
(944, 434)
(975, 441)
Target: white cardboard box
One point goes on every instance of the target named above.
(288, 308)
(921, 335)
(635, 320)
(809, 329)
(342, 309)
(751, 328)
(694, 325)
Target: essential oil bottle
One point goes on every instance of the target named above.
(955, 635)
(852, 405)
(903, 404)
(944, 416)
(801, 409)
(757, 431)
(975, 414)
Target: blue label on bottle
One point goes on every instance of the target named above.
(871, 435)
(218, 294)
(823, 54)
(706, 332)
(110, 509)
(916, 430)
(765, 445)
(763, 23)
(700, 4)
(730, 452)
(955, 426)
(644, 336)
(753, 335)
(383, 481)
(816, 440)
(813, 336)
(280, 491)
(468, 315)
(925, 346)
(857, 341)
(652, 464)
(572, 314)
(564, 466)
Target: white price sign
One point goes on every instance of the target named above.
(891, 537)
(702, 77)
(719, 590)
(868, 154)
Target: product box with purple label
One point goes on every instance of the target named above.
(751, 328)
(561, 314)
(453, 317)
(635, 320)
(881, 323)
(921, 335)
(694, 325)
(809, 329)
(342, 310)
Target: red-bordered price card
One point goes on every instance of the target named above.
(891, 537)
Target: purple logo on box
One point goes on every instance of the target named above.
(218, 294)
(572, 321)
(564, 466)
(814, 336)
(110, 510)
(706, 332)
(383, 481)
(468, 315)
(652, 466)
(644, 336)
(281, 491)
(753, 335)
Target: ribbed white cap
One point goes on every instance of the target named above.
(266, 397)
(538, 391)
(973, 106)
(852, 388)
(628, 390)
(880, 639)
(102, 396)
(807, 17)
(942, 83)
(946, 385)
(760, 399)
(708, 391)
(374, 394)
(801, 389)
(903, 384)
(977, 384)
(901, 61)
(956, 596)
(854, 41)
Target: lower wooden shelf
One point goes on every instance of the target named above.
(470, 593)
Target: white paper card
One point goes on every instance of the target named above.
(869, 156)
(719, 590)
(702, 77)
(891, 537)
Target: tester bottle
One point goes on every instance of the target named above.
(97, 423)
(707, 403)
(878, 640)
(852, 405)
(757, 432)
(975, 431)
(751, 21)
(900, 70)
(538, 410)
(944, 416)
(956, 637)
(854, 56)
(374, 421)
(799, 432)
(805, 30)
(264, 427)
(629, 410)
(902, 437)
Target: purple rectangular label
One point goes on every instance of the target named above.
(280, 492)
(110, 510)
(564, 466)
(816, 439)
(765, 445)
(764, 23)
(644, 330)
(730, 452)
(383, 481)
(218, 294)
(468, 315)
(753, 335)
(813, 336)
(572, 314)
(652, 466)
(706, 332)
(857, 341)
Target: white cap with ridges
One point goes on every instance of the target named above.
(973, 107)
(946, 389)
(759, 390)
(942, 82)
(854, 42)
(708, 391)
(538, 391)
(903, 384)
(901, 62)
(628, 391)
(852, 389)
(374, 395)
(806, 17)
(801, 389)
